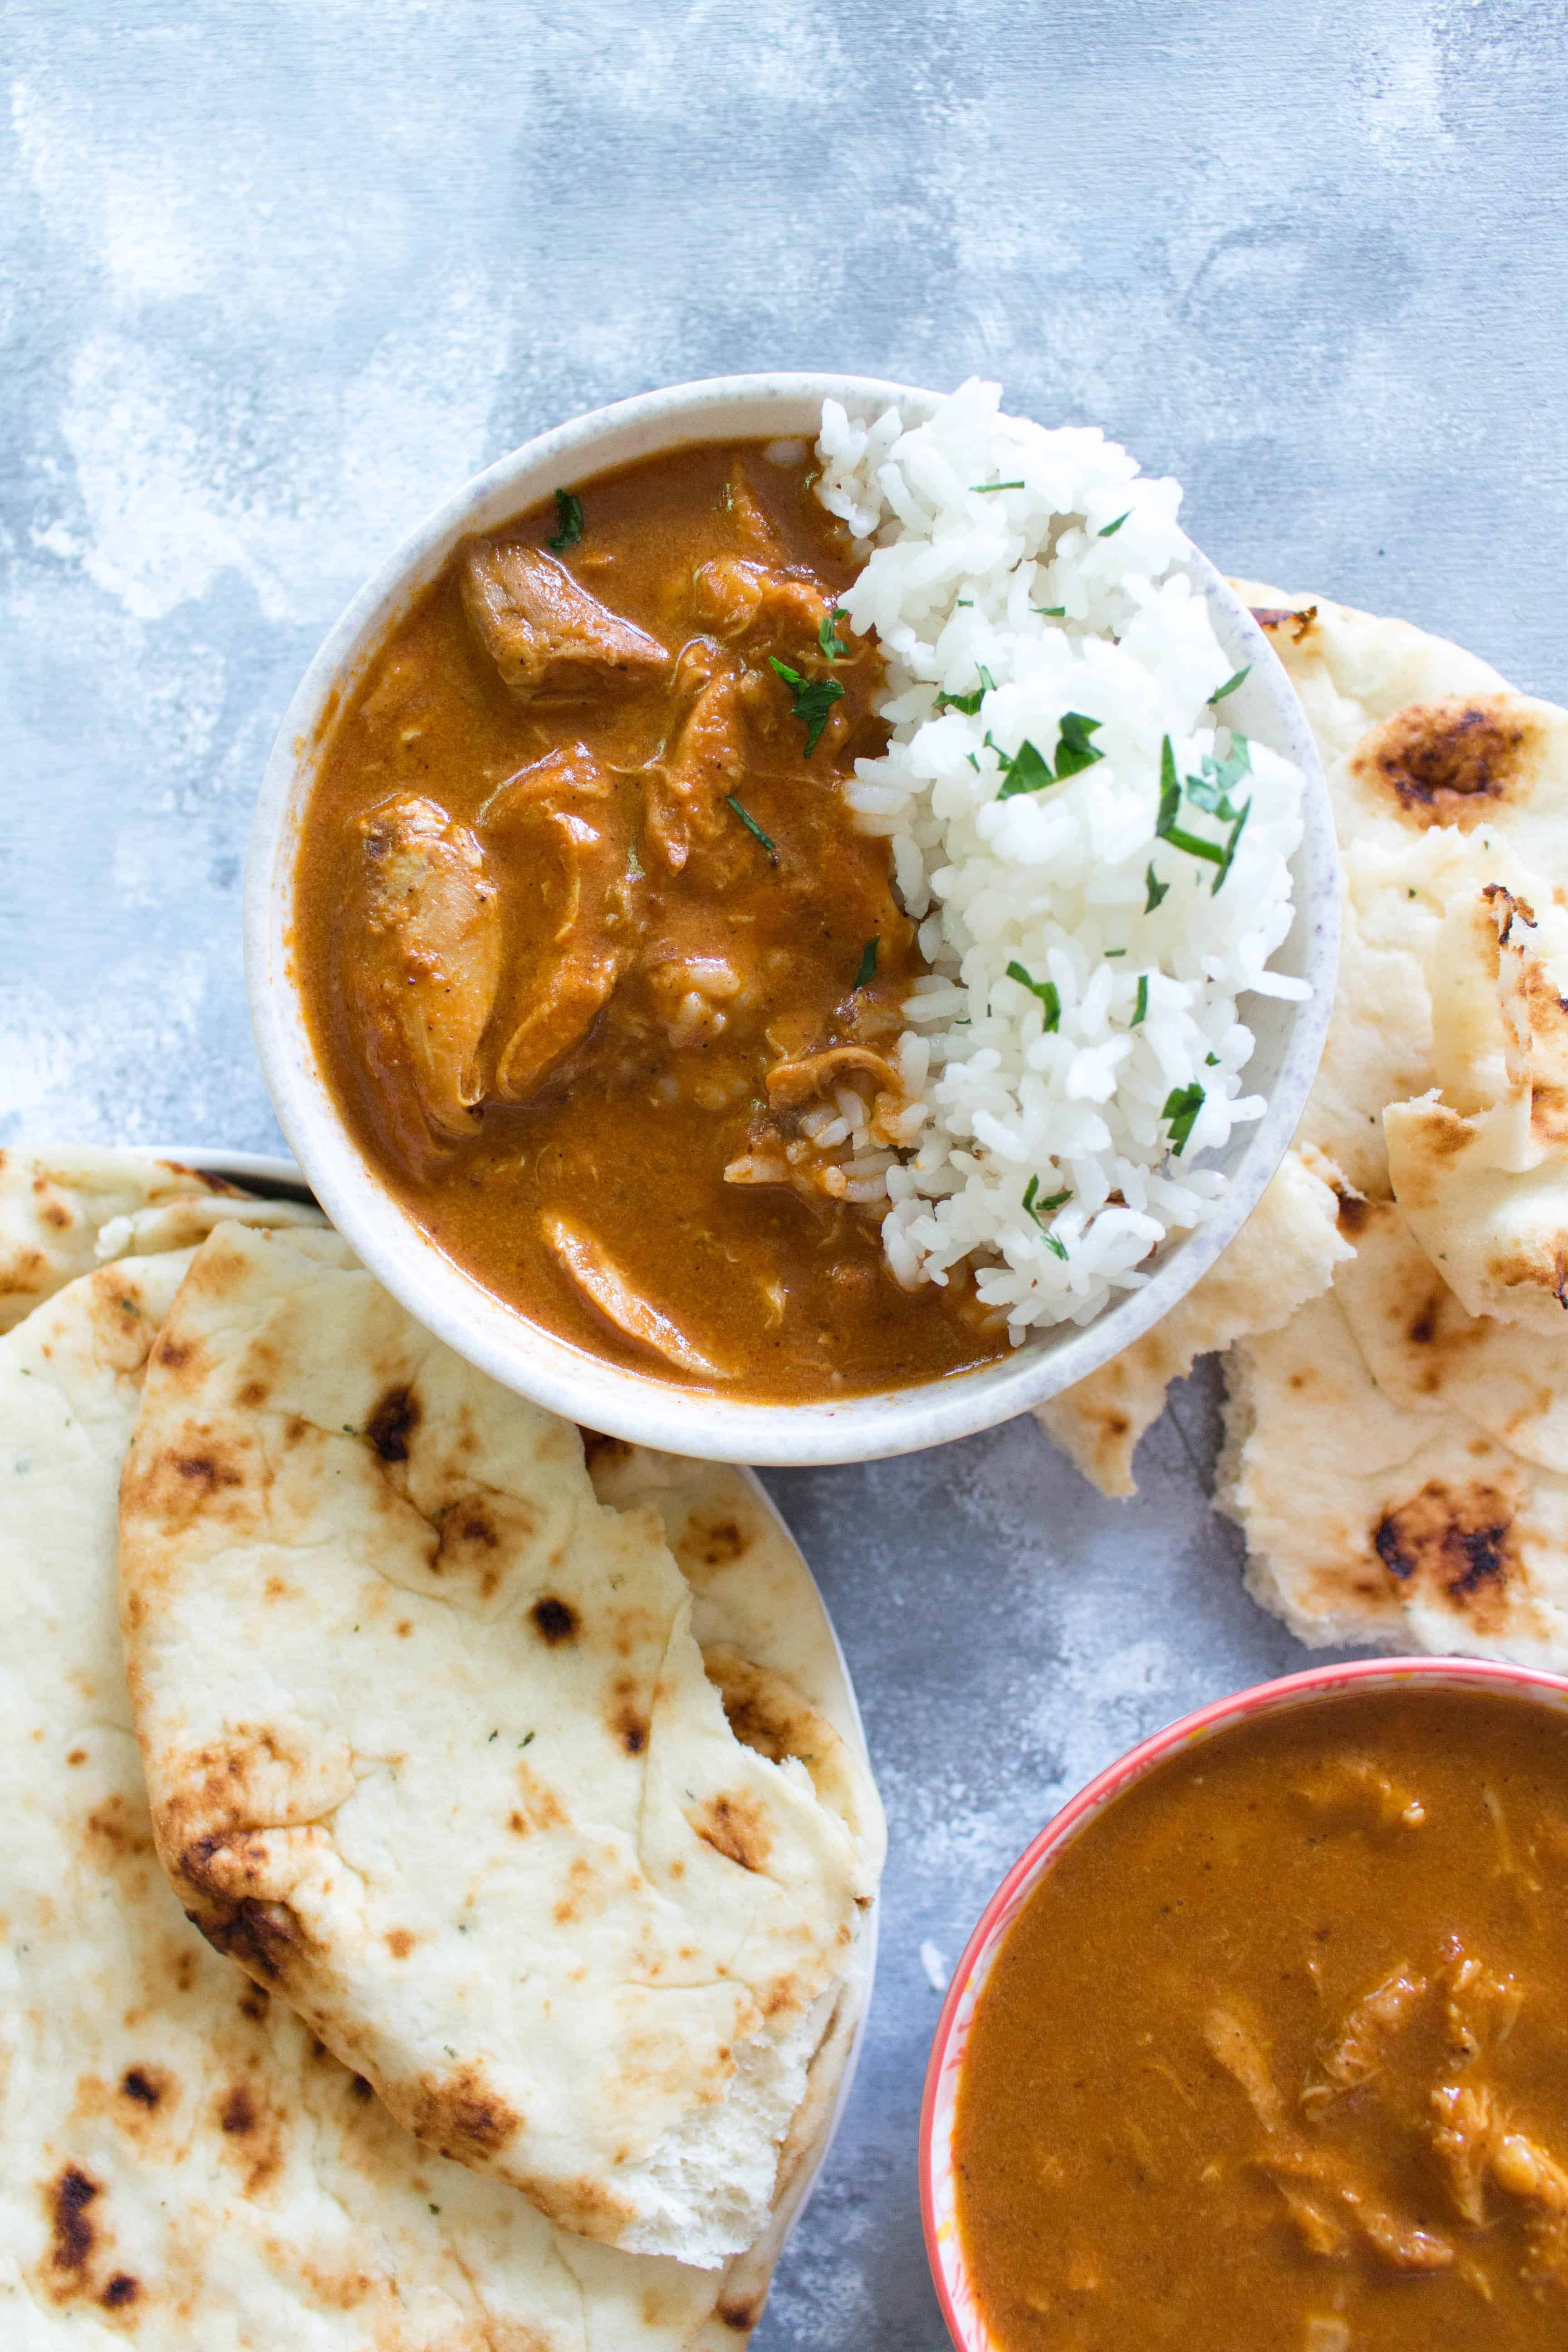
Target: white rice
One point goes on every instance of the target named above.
(1055, 880)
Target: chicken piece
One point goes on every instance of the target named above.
(706, 763)
(602, 1281)
(427, 965)
(567, 814)
(1358, 2050)
(547, 636)
(789, 1083)
(1475, 2142)
(1240, 2049)
(1482, 2009)
(738, 599)
(1327, 2202)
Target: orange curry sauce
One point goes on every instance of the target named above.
(1275, 2059)
(583, 924)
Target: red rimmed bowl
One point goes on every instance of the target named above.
(939, 2204)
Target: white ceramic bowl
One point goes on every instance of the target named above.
(639, 1405)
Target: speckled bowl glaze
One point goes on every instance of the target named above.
(945, 2073)
(640, 1405)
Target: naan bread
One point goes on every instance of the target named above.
(432, 1751)
(1481, 1168)
(1373, 1524)
(63, 1212)
(186, 2167)
(1442, 780)
(1285, 1252)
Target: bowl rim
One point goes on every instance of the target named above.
(959, 2306)
(633, 1404)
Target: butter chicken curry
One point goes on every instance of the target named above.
(1275, 2055)
(603, 978)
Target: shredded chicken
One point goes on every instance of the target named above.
(738, 599)
(602, 1281)
(789, 1083)
(1239, 2047)
(1358, 2050)
(705, 765)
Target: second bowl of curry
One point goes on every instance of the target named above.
(1261, 2042)
(593, 725)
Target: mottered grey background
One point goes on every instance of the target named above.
(275, 275)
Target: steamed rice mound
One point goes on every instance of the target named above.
(1078, 1044)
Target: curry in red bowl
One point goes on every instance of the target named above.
(1273, 2051)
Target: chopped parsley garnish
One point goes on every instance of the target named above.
(1183, 1105)
(1026, 771)
(1156, 889)
(1074, 750)
(965, 604)
(827, 636)
(1141, 1006)
(814, 699)
(1242, 675)
(1037, 1208)
(986, 487)
(1209, 792)
(1212, 1060)
(1050, 612)
(1115, 951)
(867, 971)
(753, 828)
(569, 522)
(975, 765)
(1046, 990)
(969, 703)
(1112, 527)
(527, 1740)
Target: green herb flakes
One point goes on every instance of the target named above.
(569, 523)
(1050, 612)
(1074, 750)
(1141, 1007)
(1156, 889)
(827, 637)
(495, 1735)
(1112, 527)
(1183, 1105)
(1037, 1208)
(526, 1740)
(1211, 1061)
(867, 971)
(753, 828)
(814, 699)
(985, 488)
(969, 703)
(1046, 990)
(1026, 771)
(1240, 678)
(1056, 1246)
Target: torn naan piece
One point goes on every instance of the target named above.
(1428, 1355)
(65, 1210)
(186, 2167)
(1285, 1254)
(1370, 1524)
(433, 1752)
(1481, 1168)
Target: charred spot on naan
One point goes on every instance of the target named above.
(1273, 618)
(460, 2114)
(625, 1713)
(1459, 1543)
(392, 1422)
(75, 2234)
(735, 1826)
(554, 1620)
(116, 1831)
(263, 1938)
(1453, 762)
(252, 2134)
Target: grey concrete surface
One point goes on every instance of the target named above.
(275, 277)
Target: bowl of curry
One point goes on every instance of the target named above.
(1262, 2043)
(593, 723)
